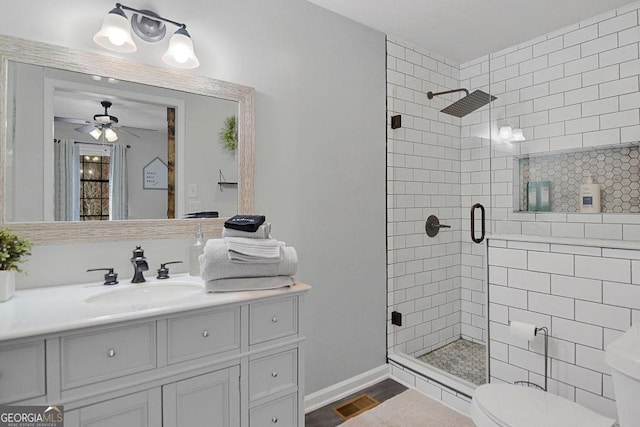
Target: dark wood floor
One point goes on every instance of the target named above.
(325, 417)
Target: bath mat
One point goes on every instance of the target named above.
(408, 409)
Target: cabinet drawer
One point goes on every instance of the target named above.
(272, 374)
(272, 319)
(107, 353)
(280, 412)
(203, 334)
(21, 371)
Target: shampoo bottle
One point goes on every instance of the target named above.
(194, 253)
(590, 197)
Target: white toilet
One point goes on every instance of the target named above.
(508, 405)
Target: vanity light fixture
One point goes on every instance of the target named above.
(115, 35)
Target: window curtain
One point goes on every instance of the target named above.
(66, 157)
(118, 194)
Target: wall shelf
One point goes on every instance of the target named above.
(222, 180)
(616, 168)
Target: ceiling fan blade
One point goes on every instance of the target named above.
(135, 128)
(71, 120)
(121, 128)
(85, 129)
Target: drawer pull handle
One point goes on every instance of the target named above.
(111, 353)
(205, 334)
(274, 374)
(274, 319)
(274, 420)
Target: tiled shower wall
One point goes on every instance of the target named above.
(574, 88)
(423, 178)
(586, 296)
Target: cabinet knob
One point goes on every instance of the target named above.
(111, 353)
(274, 374)
(274, 420)
(205, 334)
(274, 319)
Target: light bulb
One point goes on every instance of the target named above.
(180, 52)
(115, 33)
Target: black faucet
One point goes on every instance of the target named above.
(139, 265)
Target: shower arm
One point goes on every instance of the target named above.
(430, 95)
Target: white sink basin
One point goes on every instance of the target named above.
(147, 295)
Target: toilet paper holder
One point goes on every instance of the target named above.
(545, 332)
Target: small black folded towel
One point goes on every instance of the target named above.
(249, 223)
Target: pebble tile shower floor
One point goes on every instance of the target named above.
(462, 358)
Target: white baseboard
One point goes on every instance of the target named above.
(344, 388)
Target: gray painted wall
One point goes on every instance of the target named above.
(320, 154)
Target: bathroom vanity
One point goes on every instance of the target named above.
(114, 357)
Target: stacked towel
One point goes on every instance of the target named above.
(263, 232)
(248, 261)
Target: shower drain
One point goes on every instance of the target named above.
(355, 406)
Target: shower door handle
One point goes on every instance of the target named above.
(473, 223)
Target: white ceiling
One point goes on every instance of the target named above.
(462, 30)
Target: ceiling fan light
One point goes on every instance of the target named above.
(96, 133)
(115, 33)
(110, 135)
(180, 53)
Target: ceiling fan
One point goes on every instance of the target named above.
(103, 124)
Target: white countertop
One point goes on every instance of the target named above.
(56, 309)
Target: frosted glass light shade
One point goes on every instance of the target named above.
(96, 133)
(110, 135)
(180, 52)
(506, 132)
(115, 33)
(518, 135)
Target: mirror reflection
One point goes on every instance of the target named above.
(86, 147)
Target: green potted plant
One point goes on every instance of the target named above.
(13, 251)
(229, 133)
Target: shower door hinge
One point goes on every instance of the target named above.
(396, 318)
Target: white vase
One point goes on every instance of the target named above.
(7, 284)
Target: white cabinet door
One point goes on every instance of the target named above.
(209, 400)
(134, 410)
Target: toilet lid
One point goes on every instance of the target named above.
(511, 405)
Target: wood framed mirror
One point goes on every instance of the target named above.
(64, 60)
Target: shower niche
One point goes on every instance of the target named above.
(616, 169)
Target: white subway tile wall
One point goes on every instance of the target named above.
(425, 275)
(574, 88)
(585, 305)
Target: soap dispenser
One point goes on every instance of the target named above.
(194, 253)
(589, 197)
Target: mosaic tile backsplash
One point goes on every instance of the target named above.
(616, 169)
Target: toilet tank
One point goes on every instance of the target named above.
(623, 356)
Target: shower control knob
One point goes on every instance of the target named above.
(205, 334)
(274, 420)
(274, 319)
(111, 353)
(433, 226)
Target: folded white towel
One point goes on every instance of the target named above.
(242, 258)
(249, 284)
(215, 263)
(261, 248)
(263, 232)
